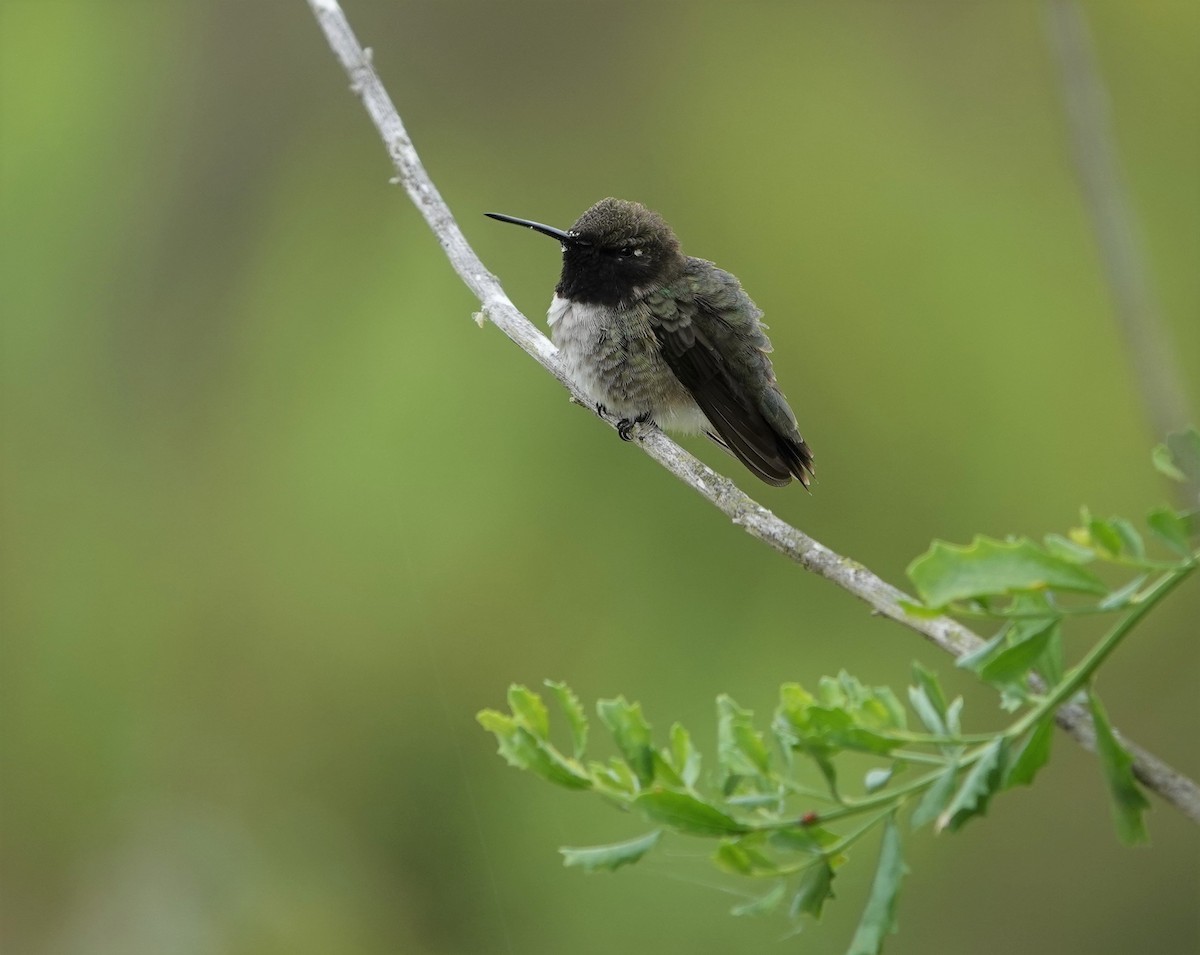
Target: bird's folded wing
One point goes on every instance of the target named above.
(741, 426)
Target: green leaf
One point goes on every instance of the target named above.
(1031, 755)
(529, 710)
(1123, 596)
(1013, 663)
(1013, 696)
(576, 718)
(685, 758)
(876, 779)
(1179, 457)
(953, 714)
(1173, 528)
(522, 749)
(915, 609)
(664, 772)
(879, 915)
(741, 857)
(1106, 535)
(811, 839)
(976, 789)
(927, 699)
(1164, 462)
(875, 707)
(687, 813)
(926, 710)
(936, 798)
(844, 715)
(612, 856)
(976, 659)
(755, 800)
(614, 779)
(632, 735)
(1051, 665)
(947, 573)
(1128, 802)
(1131, 540)
(1067, 549)
(815, 886)
(763, 904)
(740, 747)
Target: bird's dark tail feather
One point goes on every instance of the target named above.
(775, 465)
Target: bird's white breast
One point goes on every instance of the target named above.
(615, 361)
(575, 328)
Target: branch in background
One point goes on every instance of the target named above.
(756, 520)
(1089, 127)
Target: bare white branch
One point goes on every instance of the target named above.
(756, 520)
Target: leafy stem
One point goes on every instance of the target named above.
(750, 803)
(1079, 676)
(852, 837)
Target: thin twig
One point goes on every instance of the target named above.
(756, 520)
(1114, 224)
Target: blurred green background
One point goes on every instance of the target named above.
(278, 518)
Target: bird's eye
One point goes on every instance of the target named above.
(625, 251)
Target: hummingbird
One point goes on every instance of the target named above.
(651, 334)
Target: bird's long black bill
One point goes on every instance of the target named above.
(535, 226)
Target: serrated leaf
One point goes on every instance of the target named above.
(814, 887)
(936, 798)
(828, 729)
(843, 715)
(874, 706)
(576, 718)
(879, 915)
(976, 789)
(522, 749)
(1128, 802)
(1172, 528)
(529, 710)
(687, 813)
(497, 723)
(1013, 663)
(740, 747)
(947, 573)
(631, 733)
(614, 778)
(1031, 755)
(612, 856)
(763, 904)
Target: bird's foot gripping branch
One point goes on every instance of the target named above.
(785, 804)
